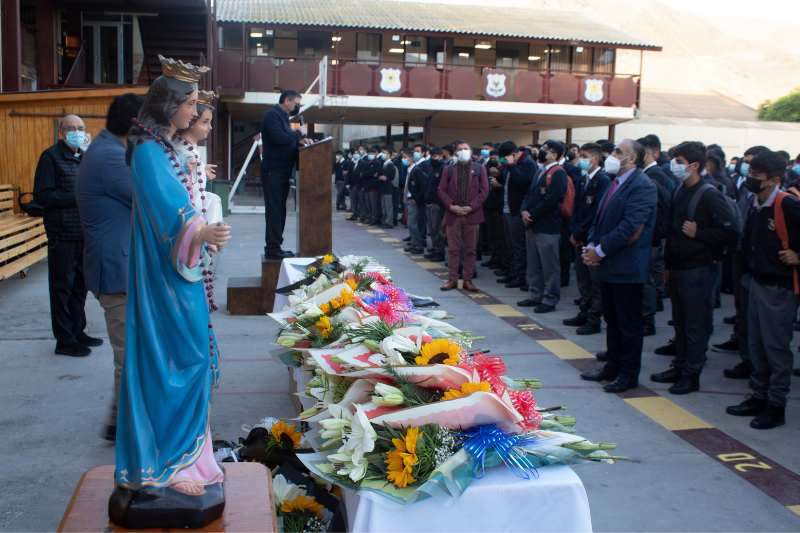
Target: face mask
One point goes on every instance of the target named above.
(585, 164)
(679, 170)
(796, 169)
(356, 157)
(383, 156)
(744, 170)
(338, 158)
(371, 157)
(542, 157)
(405, 162)
(295, 111)
(485, 153)
(732, 168)
(464, 155)
(753, 185)
(417, 156)
(75, 139)
(502, 160)
(612, 165)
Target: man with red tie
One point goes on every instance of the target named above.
(619, 245)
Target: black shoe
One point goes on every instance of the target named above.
(796, 326)
(491, 264)
(796, 372)
(576, 301)
(660, 305)
(687, 383)
(599, 375)
(649, 330)
(717, 304)
(280, 254)
(75, 349)
(564, 283)
(501, 273)
(86, 340)
(109, 433)
(740, 371)
(772, 416)
(386, 226)
(601, 356)
(429, 255)
(505, 279)
(730, 320)
(575, 321)
(670, 322)
(751, 406)
(416, 251)
(620, 385)
(374, 223)
(544, 308)
(668, 349)
(670, 376)
(516, 282)
(352, 218)
(528, 303)
(438, 258)
(524, 287)
(729, 346)
(588, 329)
(407, 239)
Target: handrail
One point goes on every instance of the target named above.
(75, 63)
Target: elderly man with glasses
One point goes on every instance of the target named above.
(54, 190)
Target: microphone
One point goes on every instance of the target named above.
(302, 123)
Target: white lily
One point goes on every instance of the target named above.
(333, 427)
(388, 396)
(318, 285)
(294, 300)
(283, 490)
(310, 310)
(349, 465)
(362, 436)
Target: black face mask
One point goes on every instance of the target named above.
(542, 156)
(753, 185)
(295, 111)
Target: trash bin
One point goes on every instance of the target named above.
(222, 188)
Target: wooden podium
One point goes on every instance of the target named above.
(251, 295)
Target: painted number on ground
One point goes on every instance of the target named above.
(742, 467)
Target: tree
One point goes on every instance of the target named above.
(784, 109)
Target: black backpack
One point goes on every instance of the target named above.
(724, 251)
(661, 228)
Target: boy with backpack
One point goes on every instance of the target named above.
(388, 178)
(542, 213)
(769, 253)
(701, 223)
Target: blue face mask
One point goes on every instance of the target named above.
(417, 156)
(485, 153)
(585, 164)
(502, 160)
(75, 139)
(405, 162)
(383, 156)
(732, 167)
(371, 156)
(744, 170)
(796, 169)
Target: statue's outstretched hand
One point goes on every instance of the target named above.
(216, 234)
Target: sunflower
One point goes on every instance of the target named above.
(440, 351)
(345, 297)
(302, 503)
(311, 271)
(402, 459)
(325, 308)
(327, 259)
(352, 284)
(466, 390)
(324, 326)
(285, 435)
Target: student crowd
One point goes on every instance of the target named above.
(639, 224)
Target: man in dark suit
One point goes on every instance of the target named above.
(515, 180)
(619, 244)
(104, 192)
(566, 251)
(279, 157)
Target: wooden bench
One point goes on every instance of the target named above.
(22, 238)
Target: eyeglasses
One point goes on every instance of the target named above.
(71, 129)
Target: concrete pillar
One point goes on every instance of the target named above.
(569, 136)
(12, 46)
(46, 40)
(388, 135)
(535, 137)
(427, 131)
(611, 129)
(405, 135)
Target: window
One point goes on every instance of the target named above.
(582, 58)
(463, 56)
(604, 60)
(109, 48)
(507, 58)
(559, 58)
(537, 56)
(368, 48)
(416, 49)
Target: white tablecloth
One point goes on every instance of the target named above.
(289, 275)
(500, 501)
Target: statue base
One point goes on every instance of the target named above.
(163, 507)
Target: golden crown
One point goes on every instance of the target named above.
(180, 70)
(205, 97)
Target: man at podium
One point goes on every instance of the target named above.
(279, 157)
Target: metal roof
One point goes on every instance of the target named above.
(435, 18)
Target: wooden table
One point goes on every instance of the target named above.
(249, 504)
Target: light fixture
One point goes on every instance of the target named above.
(483, 45)
(396, 50)
(268, 32)
(336, 38)
(395, 37)
(579, 50)
(258, 44)
(256, 34)
(463, 54)
(534, 58)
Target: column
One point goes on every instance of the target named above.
(406, 139)
(611, 129)
(46, 43)
(388, 135)
(569, 136)
(12, 46)
(427, 131)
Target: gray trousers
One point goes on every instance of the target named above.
(589, 288)
(373, 207)
(689, 291)
(435, 216)
(388, 209)
(115, 306)
(516, 244)
(650, 301)
(770, 317)
(544, 267)
(658, 270)
(743, 330)
(412, 217)
(362, 201)
(340, 189)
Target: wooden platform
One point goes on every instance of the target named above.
(249, 504)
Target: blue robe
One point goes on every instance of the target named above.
(171, 358)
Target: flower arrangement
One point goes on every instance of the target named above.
(283, 437)
(298, 512)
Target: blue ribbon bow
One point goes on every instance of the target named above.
(478, 440)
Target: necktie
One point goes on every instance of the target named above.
(608, 196)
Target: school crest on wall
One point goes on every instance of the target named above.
(594, 90)
(390, 80)
(496, 85)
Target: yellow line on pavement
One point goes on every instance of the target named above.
(566, 349)
(375, 230)
(389, 239)
(429, 265)
(668, 414)
(794, 508)
(502, 310)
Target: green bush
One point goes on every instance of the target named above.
(784, 109)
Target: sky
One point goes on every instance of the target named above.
(783, 10)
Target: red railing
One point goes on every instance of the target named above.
(426, 80)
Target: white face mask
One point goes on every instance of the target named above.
(464, 155)
(611, 165)
(679, 170)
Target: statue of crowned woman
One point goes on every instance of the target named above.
(166, 475)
